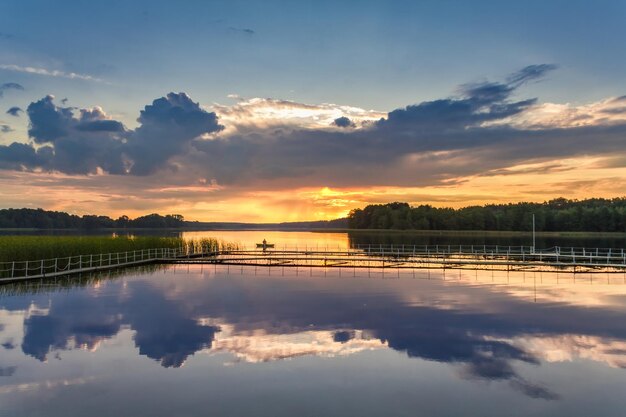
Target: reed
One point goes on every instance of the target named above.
(30, 248)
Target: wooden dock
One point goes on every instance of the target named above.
(509, 258)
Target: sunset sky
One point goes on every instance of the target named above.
(291, 110)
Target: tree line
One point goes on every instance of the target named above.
(591, 215)
(44, 219)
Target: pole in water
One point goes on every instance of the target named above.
(533, 232)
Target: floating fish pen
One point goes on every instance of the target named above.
(521, 258)
(509, 258)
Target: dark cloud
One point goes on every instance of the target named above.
(416, 145)
(101, 126)
(14, 111)
(343, 336)
(6, 128)
(533, 390)
(167, 127)
(343, 122)
(530, 73)
(95, 120)
(82, 144)
(7, 370)
(49, 122)
(479, 103)
(8, 345)
(618, 110)
(247, 31)
(419, 144)
(9, 86)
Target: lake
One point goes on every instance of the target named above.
(194, 340)
(362, 237)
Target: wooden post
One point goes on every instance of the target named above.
(534, 234)
(12, 269)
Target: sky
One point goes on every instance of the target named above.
(265, 111)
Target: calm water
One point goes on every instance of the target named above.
(346, 239)
(201, 340)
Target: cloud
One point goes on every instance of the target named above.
(18, 156)
(49, 73)
(277, 144)
(9, 86)
(416, 145)
(5, 129)
(8, 345)
(167, 127)
(14, 111)
(259, 114)
(610, 111)
(7, 370)
(247, 31)
(343, 122)
(529, 73)
(91, 141)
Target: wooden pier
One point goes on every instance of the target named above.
(509, 258)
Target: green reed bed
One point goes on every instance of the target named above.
(17, 250)
(30, 248)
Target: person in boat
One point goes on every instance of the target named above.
(264, 244)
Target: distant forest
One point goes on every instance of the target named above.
(593, 215)
(43, 219)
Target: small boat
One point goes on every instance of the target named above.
(265, 245)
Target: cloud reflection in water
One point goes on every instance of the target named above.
(487, 332)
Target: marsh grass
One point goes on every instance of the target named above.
(32, 248)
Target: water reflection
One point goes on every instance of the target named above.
(294, 239)
(487, 328)
(434, 238)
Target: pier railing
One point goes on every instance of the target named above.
(355, 256)
(93, 262)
